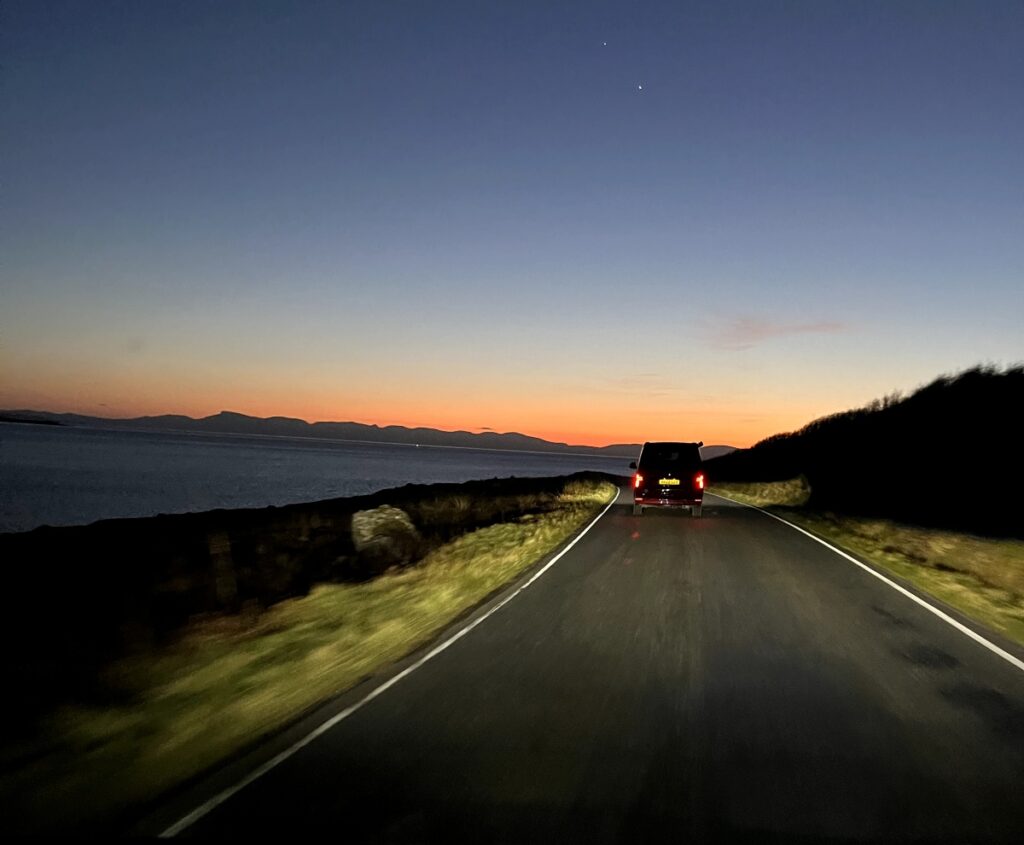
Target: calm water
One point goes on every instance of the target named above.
(71, 476)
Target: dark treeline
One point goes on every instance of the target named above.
(950, 455)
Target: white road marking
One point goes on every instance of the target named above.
(188, 820)
(945, 617)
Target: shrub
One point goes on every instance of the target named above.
(384, 537)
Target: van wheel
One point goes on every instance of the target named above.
(638, 510)
(696, 511)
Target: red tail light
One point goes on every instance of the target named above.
(698, 481)
(637, 480)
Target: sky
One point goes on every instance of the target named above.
(590, 222)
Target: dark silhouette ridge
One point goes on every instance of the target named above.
(950, 455)
(27, 420)
(230, 422)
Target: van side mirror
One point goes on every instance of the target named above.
(632, 464)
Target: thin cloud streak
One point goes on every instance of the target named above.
(747, 332)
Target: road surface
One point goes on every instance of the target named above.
(670, 679)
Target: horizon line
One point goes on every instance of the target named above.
(563, 445)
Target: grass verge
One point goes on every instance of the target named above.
(230, 680)
(981, 577)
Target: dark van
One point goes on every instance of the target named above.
(669, 475)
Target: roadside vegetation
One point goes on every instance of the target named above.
(948, 456)
(226, 680)
(982, 577)
(924, 486)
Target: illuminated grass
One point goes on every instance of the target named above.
(792, 493)
(979, 576)
(231, 680)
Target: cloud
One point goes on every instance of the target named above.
(746, 332)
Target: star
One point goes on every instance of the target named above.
(639, 87)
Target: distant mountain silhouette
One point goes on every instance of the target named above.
(229, 422)
(17, 419)
(949, 455)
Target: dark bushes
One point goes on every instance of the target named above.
(949, 456)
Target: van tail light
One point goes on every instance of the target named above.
(637, 480)
(698, 481)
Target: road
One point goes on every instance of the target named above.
(673, 679)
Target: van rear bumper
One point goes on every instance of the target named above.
(649, 502)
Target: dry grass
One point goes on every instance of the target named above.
(979, 576)
(792, 493)
(229, 681)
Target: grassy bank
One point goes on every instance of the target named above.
(228, 680)
(981, 577)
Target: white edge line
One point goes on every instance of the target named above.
(191, 818)
(945, 617)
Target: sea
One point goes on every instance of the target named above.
(66, 475)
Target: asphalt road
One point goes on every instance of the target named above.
(673, 679)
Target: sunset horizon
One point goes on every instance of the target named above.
(573, 437)
(591, 224)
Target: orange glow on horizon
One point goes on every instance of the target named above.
(613, 427)
(577, 418)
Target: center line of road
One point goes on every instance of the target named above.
(203, 809)
(945, 617)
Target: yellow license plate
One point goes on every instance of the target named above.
(669, 482)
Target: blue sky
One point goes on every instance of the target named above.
(472, 214)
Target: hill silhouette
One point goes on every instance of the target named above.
(230, 422)
(949, 455)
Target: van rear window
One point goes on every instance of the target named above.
(680, 455)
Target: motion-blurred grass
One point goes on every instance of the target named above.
(792, 493)
(979, 576)
(229, 680)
